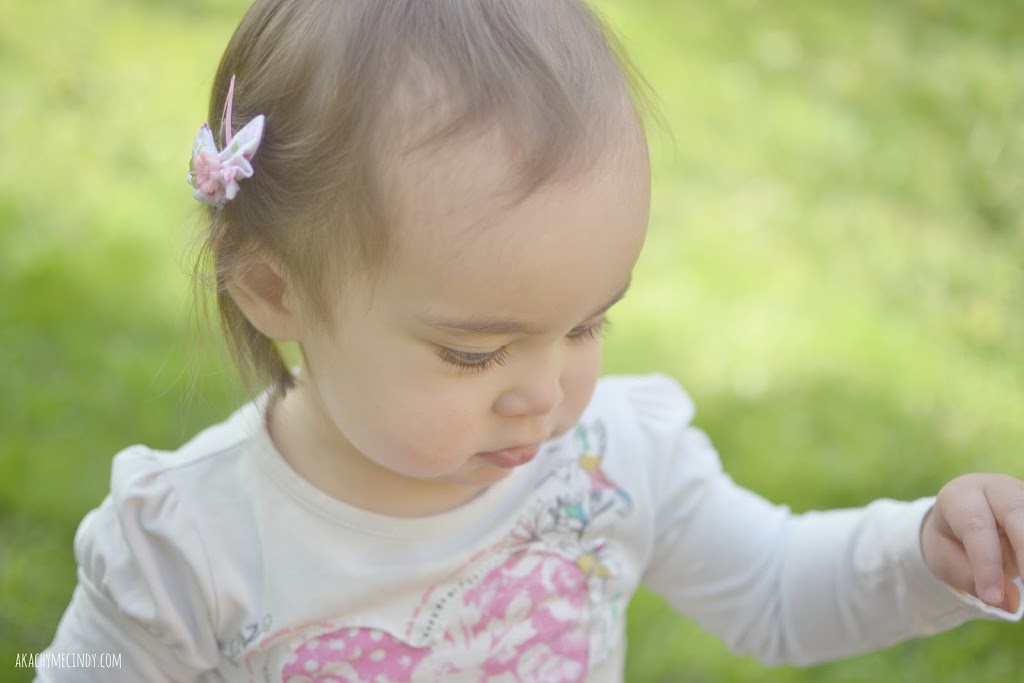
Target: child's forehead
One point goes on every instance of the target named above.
(466, 243)
(467, 182)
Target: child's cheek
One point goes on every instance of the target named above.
(578, 382)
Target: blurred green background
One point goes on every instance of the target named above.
(834, 271)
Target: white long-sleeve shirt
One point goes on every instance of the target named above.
(218, 562)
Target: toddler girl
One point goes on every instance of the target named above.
(439, 201)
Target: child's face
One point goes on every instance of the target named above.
(482, 332)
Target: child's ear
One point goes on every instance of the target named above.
(261, 290)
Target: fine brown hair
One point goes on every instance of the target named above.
(348, 86)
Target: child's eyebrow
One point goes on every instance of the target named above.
(490, 326)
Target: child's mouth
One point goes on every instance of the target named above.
(511, 457)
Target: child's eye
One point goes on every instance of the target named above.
(474, 361)
(591, 331)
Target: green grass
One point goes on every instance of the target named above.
(834, 270)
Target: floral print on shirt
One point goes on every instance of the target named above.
(540, 606)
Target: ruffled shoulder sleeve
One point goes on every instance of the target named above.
(661, 406)
(679, 457)
(144, 581)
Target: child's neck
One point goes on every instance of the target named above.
(346, 475)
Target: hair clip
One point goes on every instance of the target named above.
(214, 174)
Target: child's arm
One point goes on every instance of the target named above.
(786, 588)
(143, 585)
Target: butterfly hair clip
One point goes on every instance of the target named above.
(214, 174)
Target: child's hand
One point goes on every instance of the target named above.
(973, 539)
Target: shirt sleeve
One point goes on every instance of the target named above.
(143, 585)
(786, 588)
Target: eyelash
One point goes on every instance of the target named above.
(468, 361)
(473, 362)
(594, 330)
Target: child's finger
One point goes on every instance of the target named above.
(1011, 566)
(1011, 597)
(973, 522)
(1006, 499)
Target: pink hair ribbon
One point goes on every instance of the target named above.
(214, 174)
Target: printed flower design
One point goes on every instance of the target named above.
(540, 606)
(525, 622)
(214, 174)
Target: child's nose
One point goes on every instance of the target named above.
(536, 391)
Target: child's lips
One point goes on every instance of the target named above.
(511, 457)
